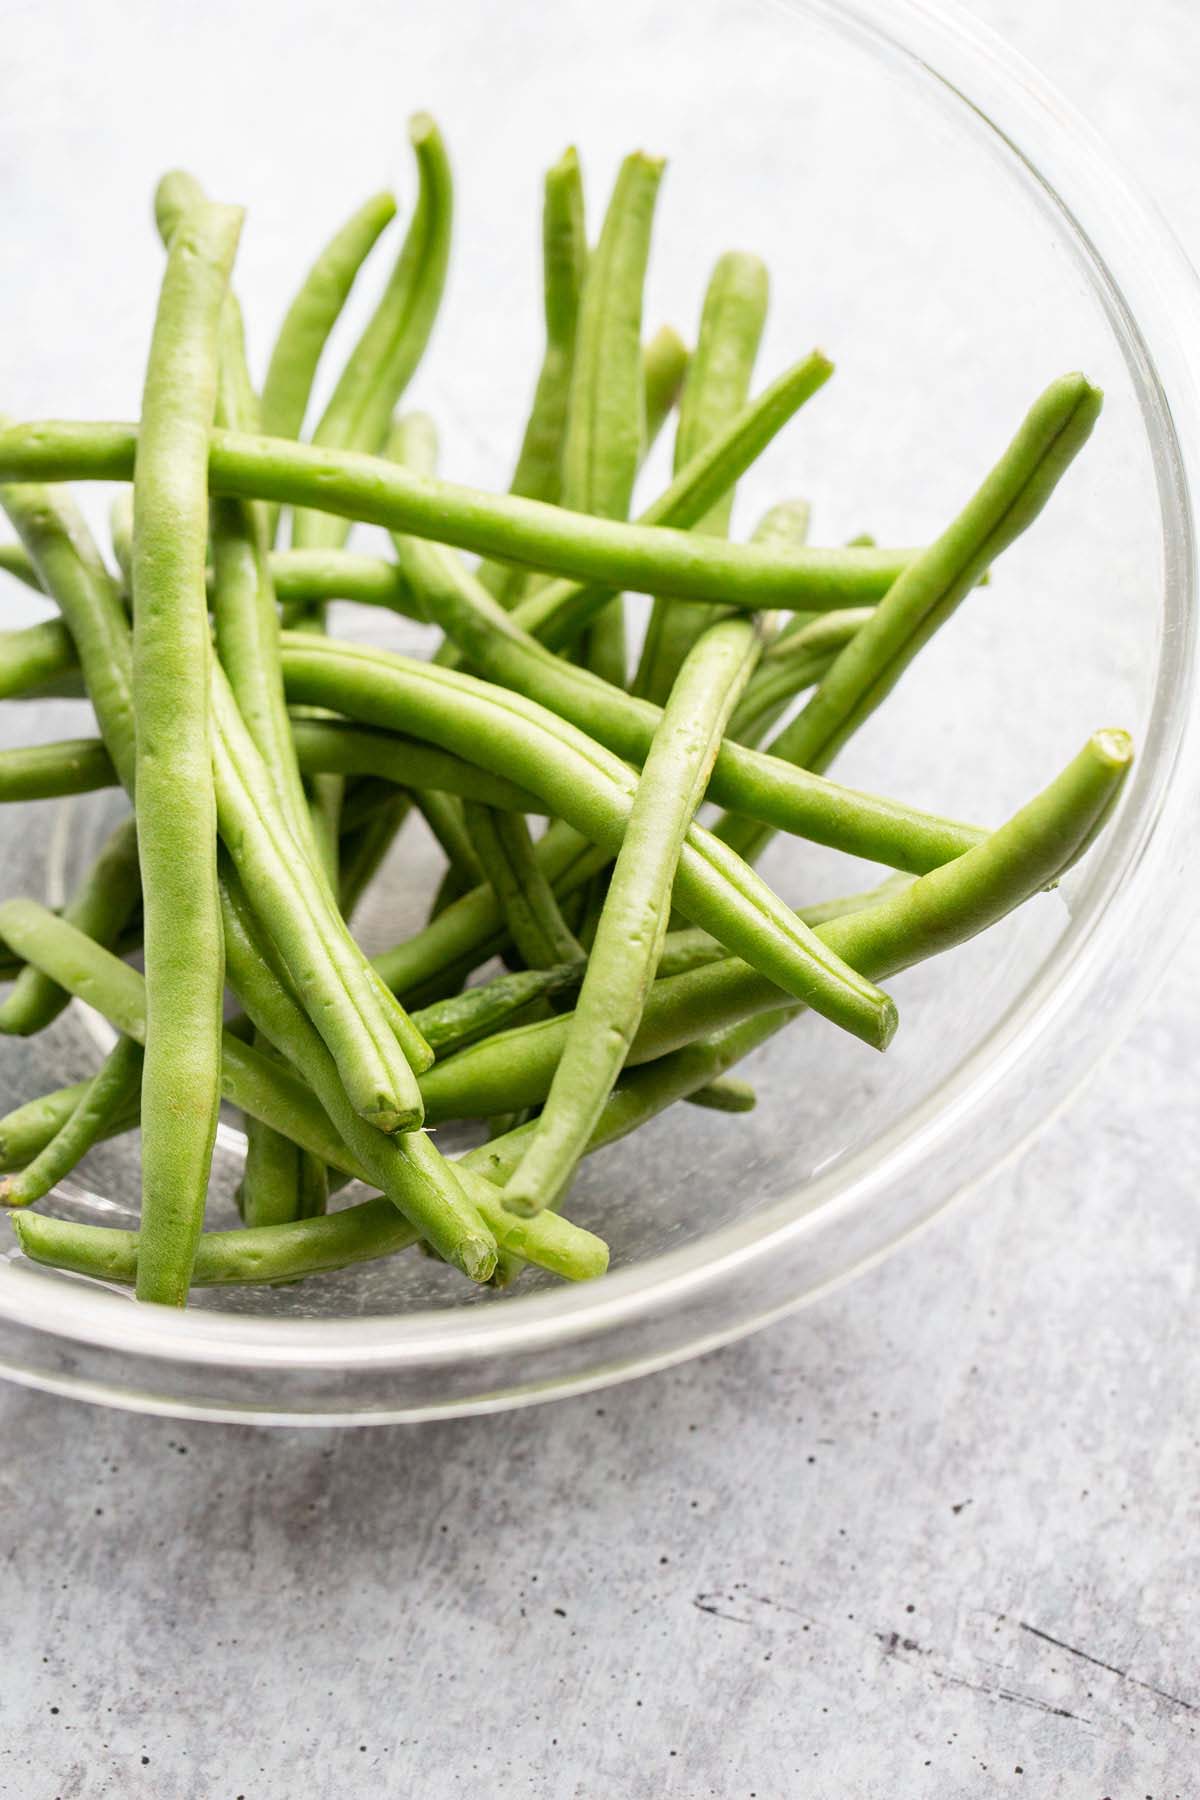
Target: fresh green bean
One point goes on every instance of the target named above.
(538, 474)
(762, 786)
(932, 915)
(363, 850)
(177, 823)
(385, 358)
(102, 906)
(606, 417)
(72, 572)
(48, 771)
(725, 1094)
(120, 531)
(26, 1131)
(593, 791)
(37, 660)
(664, 367)
(418, 1181)
(106, 1099)
(531, 913)
(556, 613)
(789, 666)
(633, 921)
(16, 560)
(717, 386)
(603, 551)
(347, 749)
(313, 314)
(271, 1092)
(329, 970)
(1008, 501)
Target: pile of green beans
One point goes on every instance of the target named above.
(593, 953)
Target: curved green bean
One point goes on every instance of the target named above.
(538, 472)
(413, 1175)
(593, 791)
(604, 551)
(763, 787)
(37, 660)
(386, 356)
(633, 921)
(314, 312)
(48, 771)
(928, 593)
(102, 906)
(106, 1100)
(15, 560)
(717, 386)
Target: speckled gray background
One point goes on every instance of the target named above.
(935, 1537)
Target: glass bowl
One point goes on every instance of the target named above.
(942, 225)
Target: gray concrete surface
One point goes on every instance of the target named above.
(935, 1537)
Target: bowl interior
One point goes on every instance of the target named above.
(906, 239)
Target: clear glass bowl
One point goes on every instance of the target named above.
(944, 227)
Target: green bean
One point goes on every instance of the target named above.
(363, 851)
(279, 1181)
(16, 560)
(72, 572)
(418, 1181)
(385, 358)
(725, 1094)
(444, 816)
(604, 551)
(531, 913)
(538, 474)
(120, 531)
(177, 823)
(472, 929)
(348, 749)
(1008, 501)
(933, 914)
(448, 1025)
(271, 1092)
(558, 610)
(48, 771)
(275, 1253)
(664, 367)
(340, 992)
(789, 666)
(314, 312)
(606, 419)
(37, 660)
(762, 786)
(593, 791)
(717, 386)
(106, 1099)
(633, 922)
(101, 906)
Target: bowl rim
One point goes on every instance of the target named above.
(1095, 202)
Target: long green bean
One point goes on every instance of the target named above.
(314, 312)
(102, 906)
(928, 593)
(418, 1181)
(177, 826)
(762, 786)
(105, 1101)
(354, 486)
(593, 791)
(506, 857)
(605, 423)
(386, 356)
(633, 921)
(37, 660)
(718, 383)
(538, 472)
(15, 560)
